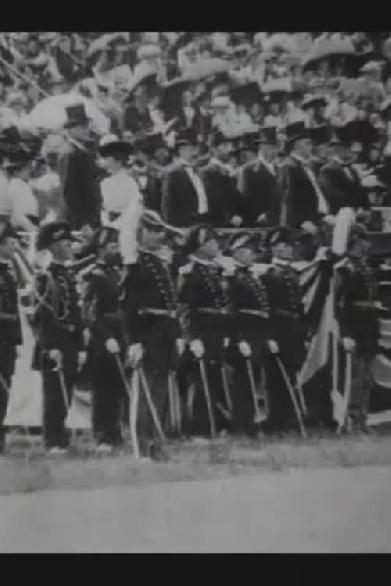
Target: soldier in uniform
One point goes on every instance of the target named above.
(357, 302)
(10, 325)
(251, 330)
(289, 331)
(151, 318)
(103, 317)
(60, 351)
(204, 291)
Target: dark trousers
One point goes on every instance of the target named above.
(199, 423)
(54, 407)
(282, 414)
(7, 368)
(242, 397)
(108, 394)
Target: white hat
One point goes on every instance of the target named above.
(221, 102)
(370, 67)
(146, 51)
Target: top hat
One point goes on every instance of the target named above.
(268, 135)
(247, 142)
(220, 138)
(321, 134)
(53, 232)
(76, 115)
(296, 131)
(185, 138)
(110, 146)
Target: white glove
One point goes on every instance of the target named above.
(135, 354)
(197, 348)
(226, 342)
(236, 221)
(86, 336)
(55, 354)
(330, 220)
(273, 346)
(244, 349)
(112, 346)
(180, 346)
(81, 359)
(261, 218)
(348, 344)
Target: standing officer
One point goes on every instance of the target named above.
(357, 300)
(251, 332)
(204, 291)
(151, 319)
(103, 317)
(287, 314)
(57, 318)
(10, 325)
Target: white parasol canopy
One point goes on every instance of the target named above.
(50, 114)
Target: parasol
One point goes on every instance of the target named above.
(103, 43)
(50, 114)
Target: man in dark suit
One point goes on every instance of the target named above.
(79, 174)
(302, 197)
(339, 180)
(261, 192)
(220, 182)
(147, 171)
(184, 198)
(321, 137)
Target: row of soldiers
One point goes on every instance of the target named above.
(217, 341)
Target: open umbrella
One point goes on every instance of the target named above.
(50, 113)
(103, 43)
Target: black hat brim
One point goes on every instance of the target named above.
(116, 148)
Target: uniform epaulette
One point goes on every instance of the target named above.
(227, 263)
(186, 269)
(260, 269)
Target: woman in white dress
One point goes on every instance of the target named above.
(122, 201)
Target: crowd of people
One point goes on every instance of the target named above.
(259, 139)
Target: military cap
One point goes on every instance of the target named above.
(357, 232)
(7, 230)
(244, 240)
(103, 236)
(153, 221)
(53, 232)
(278, 235)
(199, 235)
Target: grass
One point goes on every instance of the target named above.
(25, 468)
